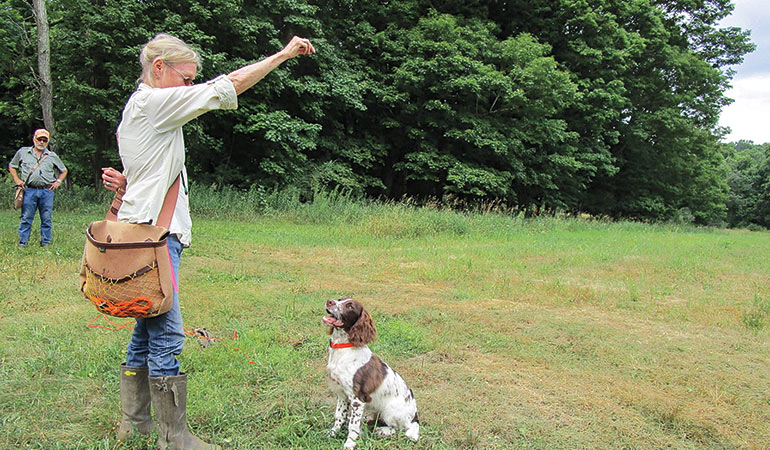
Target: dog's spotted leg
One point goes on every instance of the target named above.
(354, 425)
(340, 415)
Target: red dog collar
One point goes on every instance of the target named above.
(346, 345)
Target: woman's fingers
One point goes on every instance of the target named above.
(302, 45)
(112, 179)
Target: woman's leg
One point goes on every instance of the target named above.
(152, 352)
(138, 346)
(168, 387)
(157, 340)
(165, 332)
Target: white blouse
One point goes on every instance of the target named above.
(151, 147)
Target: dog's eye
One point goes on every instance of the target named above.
(349, 305)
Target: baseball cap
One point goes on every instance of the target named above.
(42, 132)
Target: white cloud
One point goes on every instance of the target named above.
(749, 115)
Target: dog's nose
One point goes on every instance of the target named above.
(330, 303)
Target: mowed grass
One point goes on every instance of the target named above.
(545, 333)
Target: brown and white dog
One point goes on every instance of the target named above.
(363, 383)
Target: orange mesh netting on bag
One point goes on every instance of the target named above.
(126, 297)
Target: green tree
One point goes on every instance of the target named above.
(20, 113)
(749, 181)
(651, 78)
(453, 110)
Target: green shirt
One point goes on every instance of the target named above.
(25, 159)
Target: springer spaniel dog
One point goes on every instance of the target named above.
(363, 383)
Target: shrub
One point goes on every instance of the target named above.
(755, 319)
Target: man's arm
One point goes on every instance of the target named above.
(16, 180)
(55, 185)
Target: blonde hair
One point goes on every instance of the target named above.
(168, 48)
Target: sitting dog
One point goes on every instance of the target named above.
(364, 385)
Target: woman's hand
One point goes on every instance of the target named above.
(298, 46)
(112, 179)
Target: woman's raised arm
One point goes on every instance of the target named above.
(248, 76)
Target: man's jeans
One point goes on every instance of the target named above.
(157, 340)
(34, 199)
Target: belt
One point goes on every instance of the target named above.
(47, 186)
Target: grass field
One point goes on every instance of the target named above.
(546, 333)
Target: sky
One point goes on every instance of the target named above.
(749, 115)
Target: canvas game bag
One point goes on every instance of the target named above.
(18, 197)
(126, 268)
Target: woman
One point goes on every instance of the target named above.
(151, 149)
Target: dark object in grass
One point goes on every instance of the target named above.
(204, 337)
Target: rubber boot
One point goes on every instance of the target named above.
(169, 398)
(134, 402)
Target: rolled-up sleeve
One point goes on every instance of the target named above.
(228, 98)
(170, 108)
(58, 163)
(16, 161)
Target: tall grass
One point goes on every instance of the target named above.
(397, 219)
(405, 218)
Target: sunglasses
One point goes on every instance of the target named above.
(188, 81)
(41, 139)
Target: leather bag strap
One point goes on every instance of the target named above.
(35, 168)
(166, 211)
(169, 203)
(149, 243)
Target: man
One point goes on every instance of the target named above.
(39, 185)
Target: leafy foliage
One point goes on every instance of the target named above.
(749, 180)
(608, 107)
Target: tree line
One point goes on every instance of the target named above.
(608, 107)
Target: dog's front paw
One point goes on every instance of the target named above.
(349, 444)
(384, 431)
(332, 432)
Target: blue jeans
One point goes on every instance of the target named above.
(157, 340)
(34, 199)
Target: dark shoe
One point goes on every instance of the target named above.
(169, 398)
(45, 244)
(134, 402)
(22, 245)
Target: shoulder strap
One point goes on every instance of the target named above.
(166, 211)
(169, 203)
(35, 167)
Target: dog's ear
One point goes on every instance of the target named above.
(363, 331)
